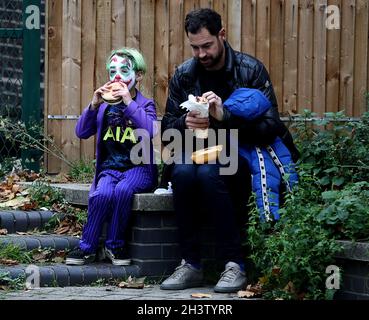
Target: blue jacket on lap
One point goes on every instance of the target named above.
(270, 165)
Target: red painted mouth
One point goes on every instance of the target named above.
(120, 80)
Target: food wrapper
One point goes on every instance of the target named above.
(203, 107)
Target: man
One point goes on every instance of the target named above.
(214, 72)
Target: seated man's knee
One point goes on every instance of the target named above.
(183, 173)
(208, 172)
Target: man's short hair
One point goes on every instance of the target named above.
(203, 18)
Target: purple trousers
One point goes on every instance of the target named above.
(112, 202)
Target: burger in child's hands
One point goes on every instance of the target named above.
(108, 96)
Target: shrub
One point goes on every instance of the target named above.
(44, 195)
(330, 202)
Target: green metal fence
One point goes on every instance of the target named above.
(20, 73)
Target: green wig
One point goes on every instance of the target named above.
(134, 55)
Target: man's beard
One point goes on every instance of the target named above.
(212, 61)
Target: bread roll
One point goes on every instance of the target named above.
(205, 155)
(108, 96)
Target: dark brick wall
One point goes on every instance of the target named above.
(153, 242)
(355, 280)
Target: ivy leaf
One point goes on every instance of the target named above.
(325, 181)
(330, 195)
(338, 181)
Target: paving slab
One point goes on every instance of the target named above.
(114, 293)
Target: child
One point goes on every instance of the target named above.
(269, 165)
(117, 177)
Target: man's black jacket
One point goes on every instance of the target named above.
(242, 71)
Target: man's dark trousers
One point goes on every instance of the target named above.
(224, 198)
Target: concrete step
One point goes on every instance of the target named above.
(30, 242)
(61, 275)
(76, 193)
(22, 221)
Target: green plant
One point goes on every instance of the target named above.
(9, 283)
(82, 171)
(293, 253)
(335, 150)
(14, 252)
(330, 202)
(6, 166)
(347, 211)
(30, 137)
(44, 195)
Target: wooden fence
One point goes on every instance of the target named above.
(311, 66)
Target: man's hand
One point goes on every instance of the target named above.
(215, 105)
(96, 99)
(193, 121)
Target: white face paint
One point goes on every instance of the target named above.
(121, 69)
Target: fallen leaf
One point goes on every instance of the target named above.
(133, 283)
(276, 271)
(22, 233)
(289, 287)
(61, 254)
(39, 256)
(245, 294)
(201, 295)
(28, 206)
(16, 188)
(257, 288)
(58, 260)
(3, 232)
(8, 262)
(11, 196)
(62, 230)
(14, 202)
(59, 178)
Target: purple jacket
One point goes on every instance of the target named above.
(141, 112)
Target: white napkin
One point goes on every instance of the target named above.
(191, 104)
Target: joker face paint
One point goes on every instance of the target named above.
(121, 69)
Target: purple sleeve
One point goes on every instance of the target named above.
(86, 125)
(142, 116)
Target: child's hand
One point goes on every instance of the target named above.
(124, 93)
(97, 99)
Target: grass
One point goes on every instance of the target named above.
(82, 171)
(14, 252)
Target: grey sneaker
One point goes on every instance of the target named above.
(185, 276)
(232, 279)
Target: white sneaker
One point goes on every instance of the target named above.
(119, 258)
